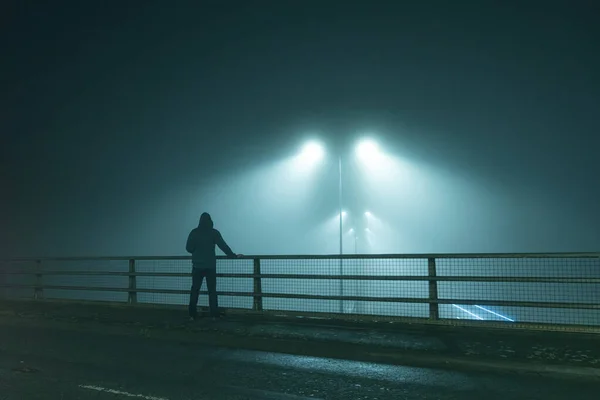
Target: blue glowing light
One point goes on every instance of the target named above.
(468, 312)
(495, 313)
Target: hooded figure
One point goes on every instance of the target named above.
(206, 221)
(201, 244)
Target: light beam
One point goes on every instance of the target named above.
(312, 152)
(468, 312)
(495, 313)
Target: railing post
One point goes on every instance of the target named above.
(434, 312)
(3, 281)
(132, 294)
(258, 303)
(38, 291)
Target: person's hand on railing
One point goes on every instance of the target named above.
(239, 255)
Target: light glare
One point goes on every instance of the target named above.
(312, 152)
(367, 150)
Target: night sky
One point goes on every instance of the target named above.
(122, 121)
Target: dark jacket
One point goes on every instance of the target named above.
(201, 244)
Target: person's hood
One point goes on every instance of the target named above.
(206, 221)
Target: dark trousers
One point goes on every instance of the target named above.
(198, 275)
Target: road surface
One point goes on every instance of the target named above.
(52, 363)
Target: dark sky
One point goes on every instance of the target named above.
(115, 115)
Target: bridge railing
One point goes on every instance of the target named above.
(546, 291)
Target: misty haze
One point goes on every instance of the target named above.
(482, 137)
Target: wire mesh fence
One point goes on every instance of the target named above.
(90, 280)
(543, 281)
(559, 290)
(17, 285)
(324, 280)
(181, 283)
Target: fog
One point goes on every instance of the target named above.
(280, 206)
(120, 131)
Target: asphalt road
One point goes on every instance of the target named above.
(50, 363)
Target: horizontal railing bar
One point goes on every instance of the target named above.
(321, 257)
(512, 279)
(99, 273)
(121, 289)
(422, 278)
(325, 297)
(98, 289)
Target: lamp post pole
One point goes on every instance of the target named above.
(341, 233)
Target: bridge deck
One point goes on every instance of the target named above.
(385, 342)
(47, 357)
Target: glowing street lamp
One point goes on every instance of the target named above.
(312, 152)
(367, 150)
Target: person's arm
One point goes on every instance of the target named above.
(222, 245)
(189, 246)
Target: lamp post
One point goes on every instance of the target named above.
(365, 150)
(340, 188)
(340, 193)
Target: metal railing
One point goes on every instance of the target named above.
(549, 291)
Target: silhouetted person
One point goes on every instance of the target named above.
(201, 244)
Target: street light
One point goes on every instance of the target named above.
(367, 150)
(312, 152)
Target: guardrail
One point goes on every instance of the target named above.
(549, 291)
